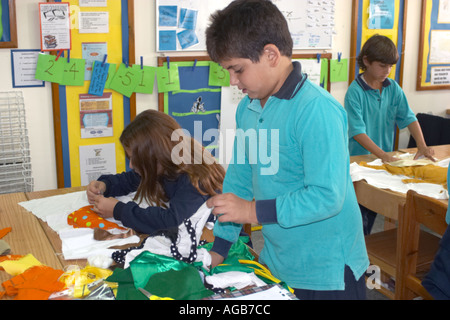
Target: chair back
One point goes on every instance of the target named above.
(418, 210)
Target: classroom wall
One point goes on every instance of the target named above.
(39, 104)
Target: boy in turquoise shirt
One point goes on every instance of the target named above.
(374, 105)
(301, 194)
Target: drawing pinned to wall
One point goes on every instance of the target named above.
(381, 14)
(181, 24)
(55, 26)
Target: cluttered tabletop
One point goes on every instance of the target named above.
(44, 255)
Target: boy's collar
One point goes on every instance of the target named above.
(366, 87)
(290, 86)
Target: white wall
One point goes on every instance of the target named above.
(39, 105)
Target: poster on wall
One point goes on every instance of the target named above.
(55, 26)
(181, 24)
(96, 160)
(96, 115)
(23, 67)
(434, 48)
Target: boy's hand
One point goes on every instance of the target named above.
(216, 259)
(386, 158)
(94, 189)
(427, 152)
(104, 207)
(230, 208)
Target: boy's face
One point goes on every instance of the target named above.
(377, 71)
(254, 79)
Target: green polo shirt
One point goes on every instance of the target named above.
(376, 114)
(292, 157)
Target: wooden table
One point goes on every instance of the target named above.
(29, 234)
(52, 236)
(384, 201)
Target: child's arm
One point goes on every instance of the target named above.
(422, 148)
(364, 140)
(230, 208)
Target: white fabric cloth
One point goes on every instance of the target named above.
(79, 243)
(385, 180)
(237, 279)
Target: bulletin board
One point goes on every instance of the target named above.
(197, 105)
(72, 141)
(8, 24)
(434, 48)
(370, 17)
(181, 24)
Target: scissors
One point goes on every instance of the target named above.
(152, 296)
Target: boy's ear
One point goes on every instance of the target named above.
(272, 53)
(366, 61)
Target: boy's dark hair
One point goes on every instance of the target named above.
(244, 28)
(378, 48)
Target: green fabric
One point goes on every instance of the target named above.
(167, 277)
(238, 251)
(147, 264)
(184, 284)
(126, 289)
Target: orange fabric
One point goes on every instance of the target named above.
(4, 232)
(36, 283)
(86, 218)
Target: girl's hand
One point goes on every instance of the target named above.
(104, 207)
(94, 189)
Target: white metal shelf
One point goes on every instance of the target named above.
(15, 160)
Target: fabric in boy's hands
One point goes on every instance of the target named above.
(85, 217)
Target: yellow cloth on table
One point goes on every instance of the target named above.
(417, 174)
(15, 267)
(79, 279)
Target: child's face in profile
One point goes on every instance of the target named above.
(253, 79)
(377, 71)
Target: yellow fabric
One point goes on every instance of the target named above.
(262, 271)
(80, 278)
(15, 267)
(425, 174)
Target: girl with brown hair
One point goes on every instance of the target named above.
(175, 181)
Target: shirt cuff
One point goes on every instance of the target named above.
(221, 246)
(266, 211)
(118, 209)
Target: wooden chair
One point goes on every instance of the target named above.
(419, 211)
(382, 248)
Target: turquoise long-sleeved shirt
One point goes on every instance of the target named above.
(292, 157)
(447, 217)
(376, 114)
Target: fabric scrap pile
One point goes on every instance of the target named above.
(423, 176)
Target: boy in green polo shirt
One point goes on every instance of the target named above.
(304, 198)
(375, 104)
